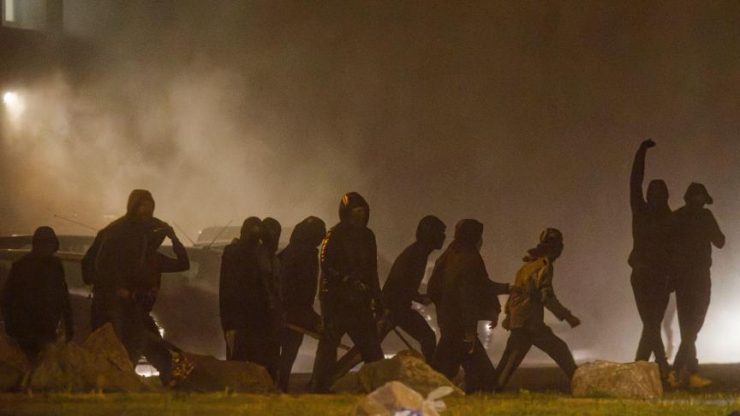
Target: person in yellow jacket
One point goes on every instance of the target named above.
(531, 293)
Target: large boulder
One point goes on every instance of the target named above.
(100, 364)
(405, 367)
(640, 380)
(211, 374)
(13, 364)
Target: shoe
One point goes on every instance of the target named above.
(698, 382)
(673, 380)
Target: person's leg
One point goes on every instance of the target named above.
(326, 354)
(480, 374)
(449, 354)
(517, 347)
(544, 339)
(157, 351)
(416, 326)
(290, 344)
(364, 334)
(641, 289)
(693, 295)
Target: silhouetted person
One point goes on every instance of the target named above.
(35, 299)
(531, 293)
(349, 290)
(146, 339)
(299, 282)
(463, 295)
(693, 232)
(649, 258)
(271, 230)
(243, 297)
(114, 261)
(404, 279)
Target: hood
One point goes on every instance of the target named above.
(311, 231)
(349, 202)
(697, 189)
(468, 232)
(271, 230)
(42, 235)
(431, 231)
(251, 230)
(135, 198)
(551, 245)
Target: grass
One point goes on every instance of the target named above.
(217, 404)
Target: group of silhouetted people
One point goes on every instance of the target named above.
(672, 253)
(266, 296)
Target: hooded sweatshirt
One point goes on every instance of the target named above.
(349, 262)
(459, 285)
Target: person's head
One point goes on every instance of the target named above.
(251, 231)
(140, 204)
(697, 196)
(354, 210)
(657, 195)
(550, 245)
(271, 230)
(431, 232)
(469, 232)
(44, 241)
(310, 232)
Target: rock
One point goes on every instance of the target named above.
(393, 398)
(211, 374)
(13, 364)
(404, 367)
(640, 380)
(101, 363)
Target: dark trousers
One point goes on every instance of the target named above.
(290, 343)
(359, 324)
(415, 325)
(693, 293)
(257, 342)
(452, 353)
(136, 330)
(650, 287)
(519, 343)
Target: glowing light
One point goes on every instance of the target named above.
(11, 99)
(14, 103)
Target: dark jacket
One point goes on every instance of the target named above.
(407, 272)
(35, 299)
(146, 287)
(531, 293)
(461, 290)
(349, 261)
(692, 233)
(243, 297)
(649, 226)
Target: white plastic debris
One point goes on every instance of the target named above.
(396, 399)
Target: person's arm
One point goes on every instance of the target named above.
(69, 326)
(180, 263)
(715, 234)
(228, 293)
(551, 302)
(88, 261)
(637, 198)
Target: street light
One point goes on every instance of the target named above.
(14, 103)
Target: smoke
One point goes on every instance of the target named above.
(521, 115)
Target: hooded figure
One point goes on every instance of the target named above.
(35, 299)
(299, 282)
(693, 232)
(349, 289)
(649, 258)
(404, 279)
(531, 293)
(463, 294)
(244, 298)
(116, 260)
